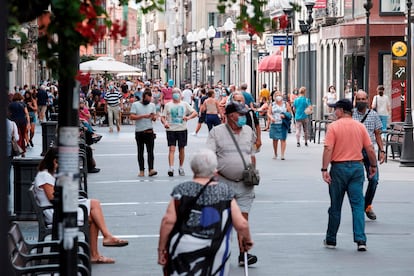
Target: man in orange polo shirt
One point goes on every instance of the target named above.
(344, 142)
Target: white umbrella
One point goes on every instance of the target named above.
(128, 74)
(106, 65)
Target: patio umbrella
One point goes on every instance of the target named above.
(272, 63)
(106, 65)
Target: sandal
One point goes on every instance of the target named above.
(115, 243)
(103, 260)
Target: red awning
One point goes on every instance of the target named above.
(272, 63)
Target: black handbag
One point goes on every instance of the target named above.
(251, 176)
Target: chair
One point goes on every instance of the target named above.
(26, 265)
(83, 167)
(394, 139)
(45, 229)
(26, 249)
(125, 113)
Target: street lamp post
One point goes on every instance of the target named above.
(202, 36)
(151, 49)
(407, 153)
(228, 28)
(253, 91)
(167, 49)
(309, 6)
(288, 12)
(211, 33)
(177, 47)
(368, 7)
(191, 39)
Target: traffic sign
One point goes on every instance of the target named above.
(278, 40)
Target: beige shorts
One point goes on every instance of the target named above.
(244, 195)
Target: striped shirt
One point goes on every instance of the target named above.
(113, 97)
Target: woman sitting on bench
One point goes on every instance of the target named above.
(44, 190)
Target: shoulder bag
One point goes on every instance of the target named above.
(308, 109)
(251, 176)
(16, 149)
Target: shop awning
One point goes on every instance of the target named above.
(272, 63)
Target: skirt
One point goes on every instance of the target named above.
(277, 132)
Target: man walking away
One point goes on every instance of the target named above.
(344, 142)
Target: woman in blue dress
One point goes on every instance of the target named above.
(195, 230)
(279, 116)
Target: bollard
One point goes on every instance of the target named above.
(48, 135)
(25, 170)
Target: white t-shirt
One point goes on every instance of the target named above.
(174, 114)
(42, 178)
(381, 103)
(187, 96)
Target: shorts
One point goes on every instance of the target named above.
(202, 118)
(244, 195)
(177, 136)
(32, 116)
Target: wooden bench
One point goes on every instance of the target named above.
(394, 139)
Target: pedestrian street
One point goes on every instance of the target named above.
(288, 218)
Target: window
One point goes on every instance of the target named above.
(100, 48)
(392, 6)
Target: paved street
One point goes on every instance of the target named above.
(288, 219)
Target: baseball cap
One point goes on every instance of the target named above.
(236, 107)
(345, 104)
(147, 83)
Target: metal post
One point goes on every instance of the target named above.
(368, 7)
(309, 7)
(168, 64)
(407, 153)
(211, 62)
(4, 258)
(229, 58)
(253, 91)
(66, 189)
(151, 63)
(203, 43)
(175, 64)
(196, 64)
(288, 13)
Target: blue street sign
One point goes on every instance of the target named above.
(279, 40)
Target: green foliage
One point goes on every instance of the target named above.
(84, 58)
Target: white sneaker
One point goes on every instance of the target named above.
(181, 172)
(194, 134)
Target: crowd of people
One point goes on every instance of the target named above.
(235, 135)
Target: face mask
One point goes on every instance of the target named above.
(145, 102)
(241, 121)
(279, 98)
(111, 87)
(361, 105)
(176, 96)
(224, 94)
(381, 93)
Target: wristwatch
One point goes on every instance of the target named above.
(324, 170)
